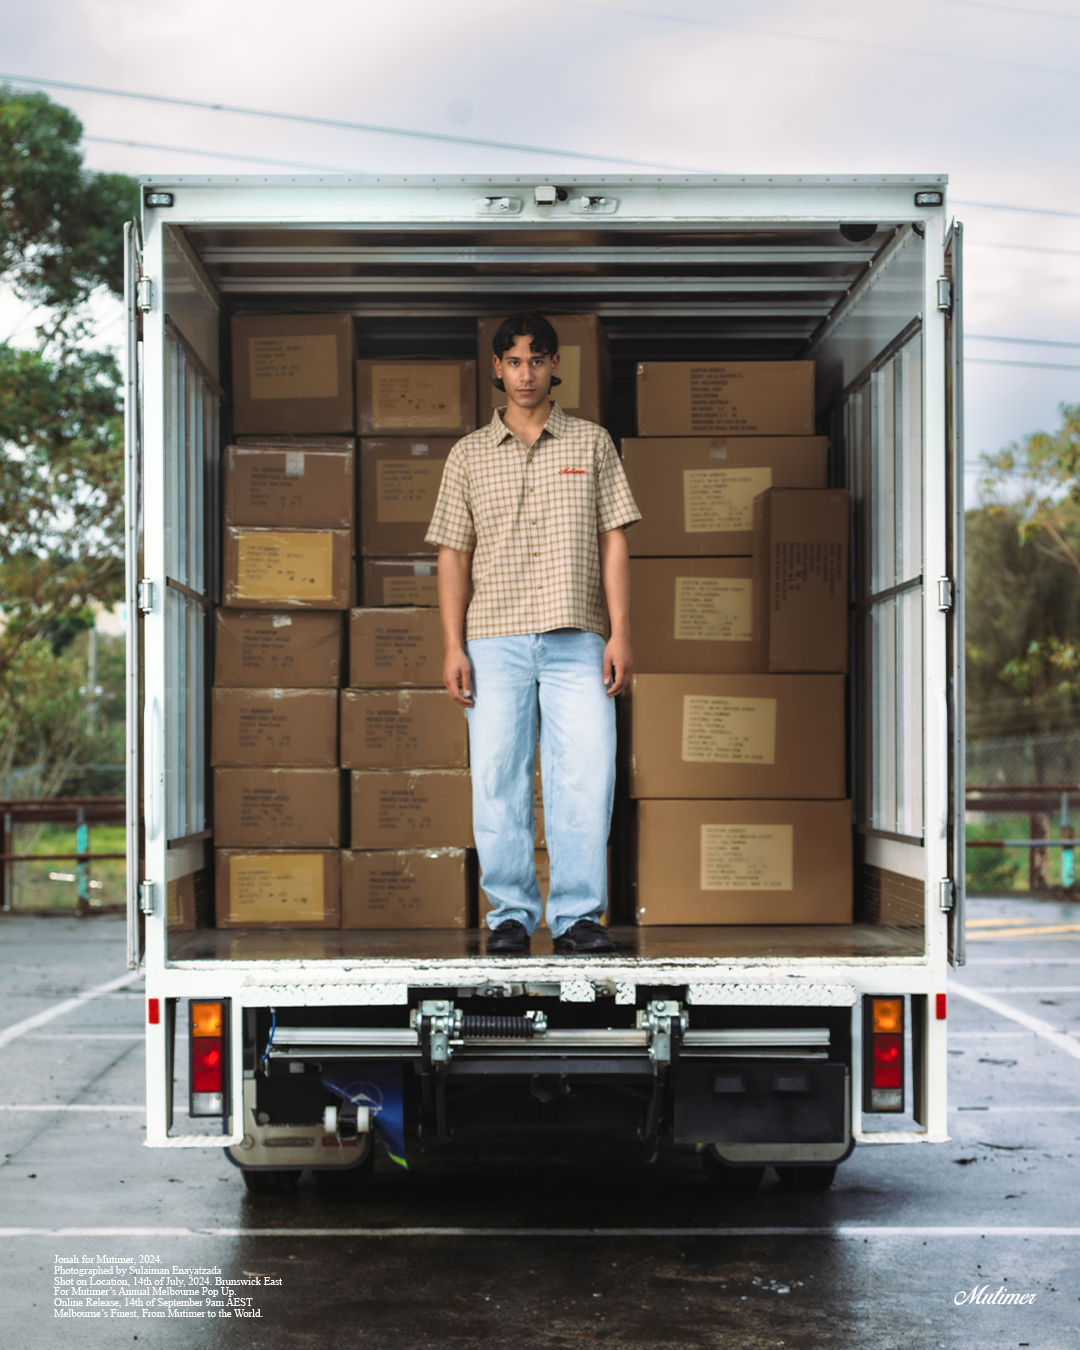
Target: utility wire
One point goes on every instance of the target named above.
(818, 39)
(380, 130)
(1025, 342)
(1031, 365)
(1024, 248)
(219, 154)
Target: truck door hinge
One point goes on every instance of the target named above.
(144, 295)
(945, 895)
(147, 896)
(496, 206)
(944, 594)
(146, 596)
(944, 294)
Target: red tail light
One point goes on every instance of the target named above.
(883, 1054)
(208, 1046)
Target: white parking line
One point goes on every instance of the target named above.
(13, 1033)
(848, 1231)
(1035, 1024)
(73, 1106)
(85, 1036)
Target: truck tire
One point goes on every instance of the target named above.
(271, 1183)
(731, 1180)
(806, 1178)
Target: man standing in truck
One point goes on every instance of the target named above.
(532, 512)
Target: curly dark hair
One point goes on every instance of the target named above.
(545, 340)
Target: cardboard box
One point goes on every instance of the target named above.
(737, 736)
(290, 728)
(411, 808)
(691, 615)
(278, 808)
(584, 368)
(399, 485)
(399, 581)
(399, 396)
(405, 888)
(697, 495)
(725, 398)
(728, 862)
(298, 441)
(402, 729)
(262, 649)
(801, 580)
(293, 373)
(181, 904)
(395, 647)
(288, 569)
(277, 888)
(296, 487)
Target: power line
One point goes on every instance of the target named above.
(1025, 342)
(816, 38)
(1025, 248)
(1031, 365)
(407, 132)
(1017, 9)
(218, 154)
(1028, 210)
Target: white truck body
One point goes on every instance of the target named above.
(709, 267)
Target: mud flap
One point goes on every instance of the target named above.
(379, 1087)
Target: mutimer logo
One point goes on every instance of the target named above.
(573, 470)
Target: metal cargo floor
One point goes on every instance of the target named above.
(774, 941)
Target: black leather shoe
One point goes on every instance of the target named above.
(585, 936)
(509, 939)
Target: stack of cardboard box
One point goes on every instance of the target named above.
(289, 576)
(403, 741)
(409, 414)
(736, 729)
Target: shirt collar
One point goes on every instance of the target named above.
(556, 425)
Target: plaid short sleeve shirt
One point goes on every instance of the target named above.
(530, 515)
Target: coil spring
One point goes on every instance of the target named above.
(492, 1024)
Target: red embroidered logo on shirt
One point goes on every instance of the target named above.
(573, 471)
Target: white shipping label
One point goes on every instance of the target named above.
(712, 609)
(747, 857)
(722, 499)
(728, 730)
(293, 366)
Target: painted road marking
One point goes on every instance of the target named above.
(994, 923)
(13, 1033)
(85, 1036)
(73, 1106)
(850, 1231)
(1034, 931)
(1035, 1024)
(1027, 988)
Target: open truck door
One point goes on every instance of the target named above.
(951, 597)
(133, 414)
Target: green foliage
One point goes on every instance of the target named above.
(61, 447)
(1023, 587)
(60, 225)
(991, 869)
(61, 491)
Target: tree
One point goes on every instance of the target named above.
(1024, 577)
(60, 225)
(61, 429)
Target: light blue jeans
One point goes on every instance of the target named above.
(562, 673)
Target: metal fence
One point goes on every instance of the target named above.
(34, 814)
(1022, 793)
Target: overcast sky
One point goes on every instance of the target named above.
(988, 93)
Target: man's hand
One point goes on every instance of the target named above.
(457, 678)
(618, 666)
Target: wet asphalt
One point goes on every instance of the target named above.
(877, 1261)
